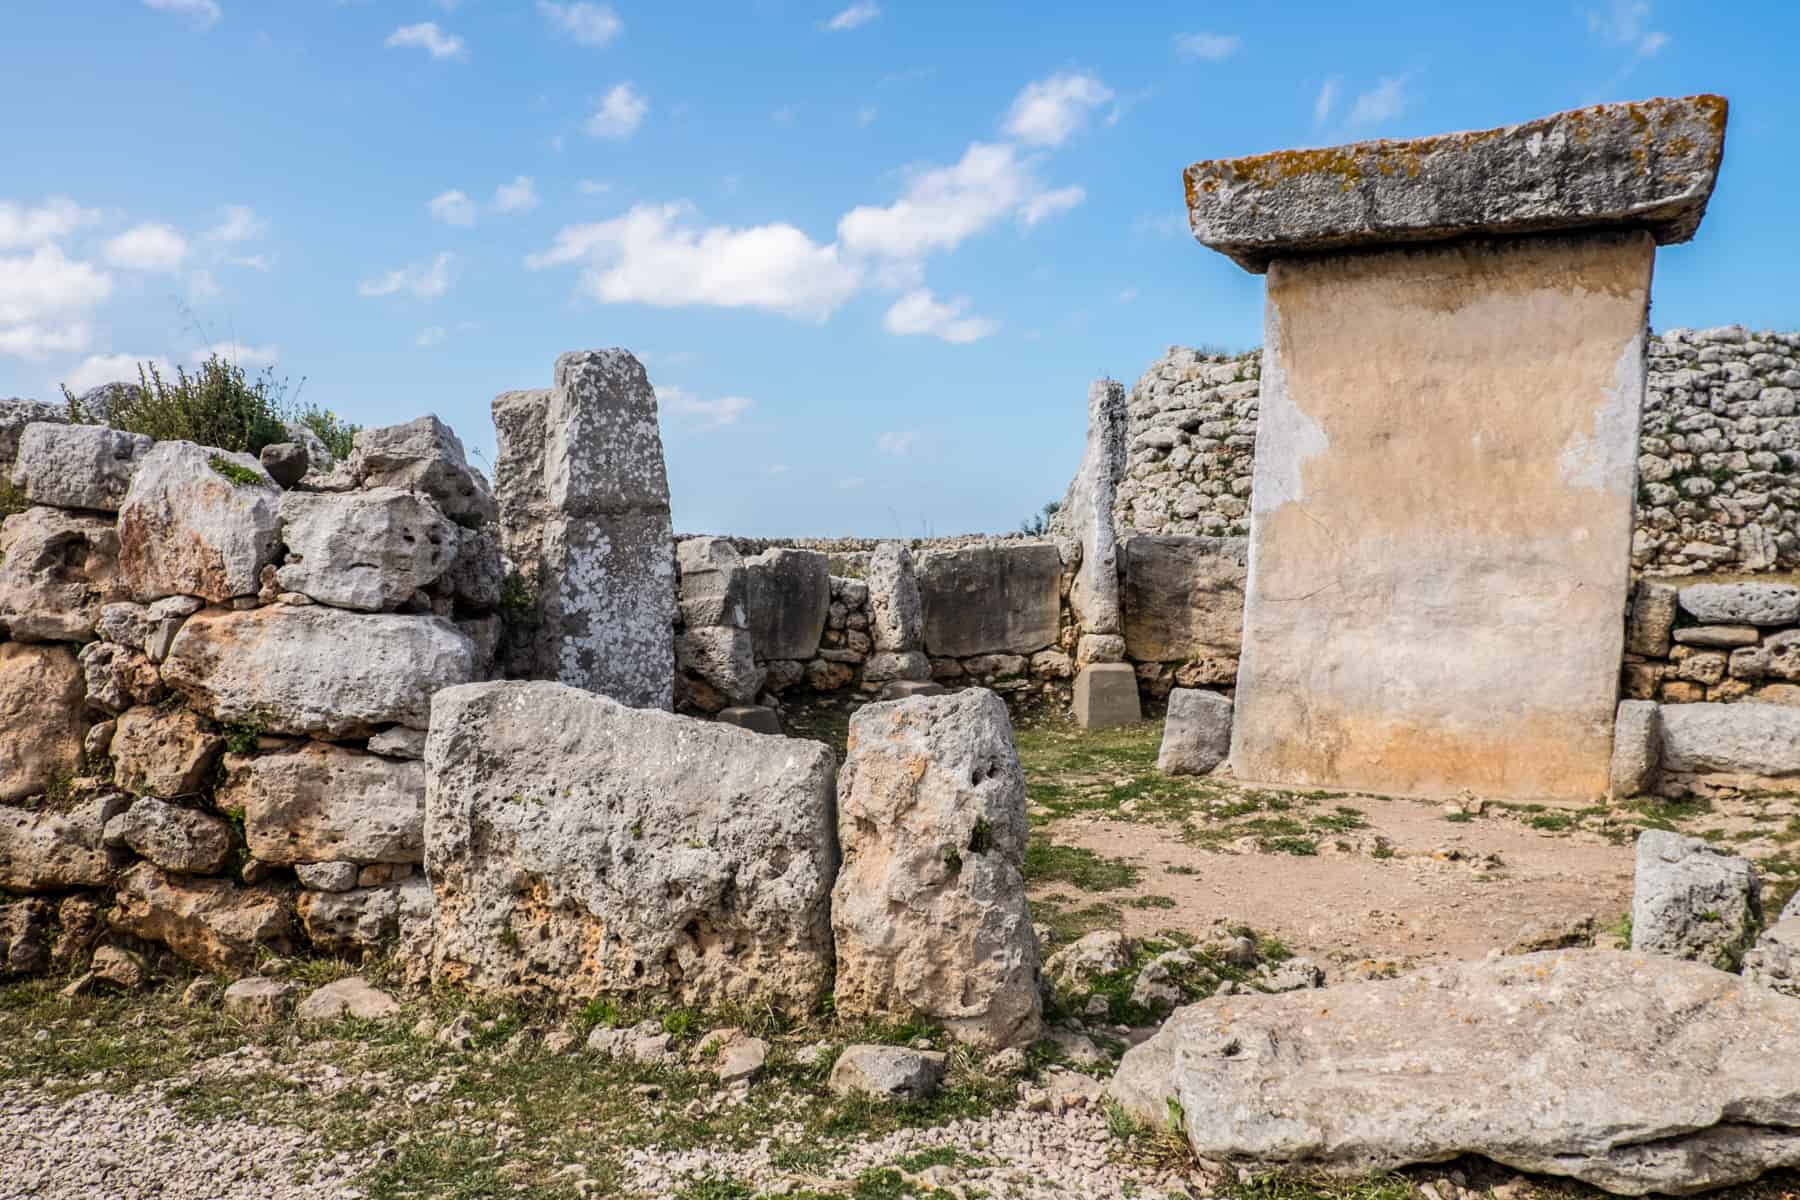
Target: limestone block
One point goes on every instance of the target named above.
(351, 997)
(519, 477)
(929, 909)
(790, 595)
(1099, 648)
(889, 665)
(477, 573)
(1094, 592)
(77, 466)
(15, 415)
(1637, 749)
(367, 918)
(1652, 618)
(327, 876)
(399, 742)
(1686, 1075)
(637, 853)
(163, 752)
(1648, 165)
(1742, 603)
(1774, 961)
(607, 606)
(752, 717)
(24, 924)
(260, 1000)
(423, 455)
(47, 851)
(57, 571)
(602, 449)
(185, 841)
(188, 527)
(891, 1073)
(1691, 899)
(1003, 598)
(1481, 492)
(715, 586)
(315, 670)
(1196, 733)
(323, 803)
(1183, 596)
(1761, 740)
(118, 677)
(724, 657)
(1722, 637)
(211, 923)
(1106, 695)
(896, 617)
(41, 725)
(367, 550)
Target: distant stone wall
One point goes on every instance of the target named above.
(1719, 473)
(1713, 642)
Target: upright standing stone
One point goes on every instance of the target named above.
(585, 518)
(1094, 595)
(896, 618)
(1445, 459)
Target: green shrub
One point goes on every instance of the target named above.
(337, 434)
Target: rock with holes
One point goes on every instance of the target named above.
(213, 923)
(41, 725)
(425, 456)
(57, 571)
(929, 908)
(1078, 965)
(77, 466)
(1691, 899)
(368, 550)
(118, 677)
(164, 752)
(322, 803)
(260, 1000)
(896, 618)
(51, 851)
(1627, 1072)
(198, 522)
(580, 847)
(393, 916)
(186, 841)
(24, 938)
(311, 670)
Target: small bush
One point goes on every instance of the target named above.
(337, 434)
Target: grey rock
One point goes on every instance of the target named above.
(790, 597)
(477, 573)
(1094, 592)
(46, 851)
(164, 752)
(286, 462)
(1742, 603)
(24, 938)
(603, 451)
(322, 803)
(887, 1073)
(1652, 618)
(1106, 696)
(1290, 975)
(1648, 165)
(118, 677)
(724, 657)
(15, 415)
(350, 997)
(1183, 597)
(752, 717)
(1077, 966)
(1686, 1084)
(100, 405)
(120, 968)
(1774, 962)
(896, 614)
(77, 466)
(929, 909)
(394, 916)
(669, 858)
(260, 1000)
(186, 528)
(41, 724)
(994, 599)
(607, 606)
(368, 550)
(58, 570)
(327, 876)
(519, 428)
(423, 455)
(897, 666)
(183, 840)
(1692, 900)
(715, 586)
(315, 671)
(1793, 908)
(1196, 733)
(906, 689)
(398, 742)
(1758, 740)
(1636, 750)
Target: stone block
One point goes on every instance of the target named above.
(607, 606)
(1001, 598)
(1106, 695)
(212, 923)
(322, 803)
(365, 550)
(519, 429)
(1722, 637)
(1637, 750)
(896, 615)
(1196, 732)
(724, 657)
(603, 451)
(790, 598)
(1652, 618)
(1691, 899)
(1641, 166)
(77, 466)
(1094, 592)
(906, 689)
(58, 570)
(41, 723)
(49, 851)
(1742, 603)
(753, 717)
(198, 522)
(165, 752)
(1183, 597)
(186, 841)
(1756, 740)
(423, 455)
(714, 583)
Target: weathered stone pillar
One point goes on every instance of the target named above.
(584, 500)
(1446, 452)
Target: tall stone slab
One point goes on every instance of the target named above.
(584, 517)
(1094, 594)
(1445, 462)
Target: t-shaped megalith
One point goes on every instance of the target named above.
(1453, 369)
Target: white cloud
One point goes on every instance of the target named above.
(453, 208)
(423, 281)
(149, 247)
(899, 444)
(203, 13)
(38, 342)
(702, 416)
(1045, 205)
(1326, 100)
(620, 113)
(237, 352)
(97, 369)
(1210, 47)
(587, 24)
(648, 256)
(202, 286)
(1383, 102)
(431, 336)
(256, 262)
(519, 196)
(1627, 23)
(56, 217)
(860, 13)
(943, 206)
(918, 312)
(1050, 111)
(46, 283)
(238, 223)
(428, 37)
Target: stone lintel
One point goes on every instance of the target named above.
(1648, 165)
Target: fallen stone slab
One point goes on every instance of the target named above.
(1632, 1073)
(633, 852)
(1760, 740)
(1646, 165)
(350, 997)
(887, 1072)
(1691, 899)
(1196, 733)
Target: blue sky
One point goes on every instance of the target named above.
(871, 251)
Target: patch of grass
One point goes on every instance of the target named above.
(237, 473)
(1298, 1185)
(1047, 862)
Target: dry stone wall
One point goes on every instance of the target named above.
(1719, 471)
